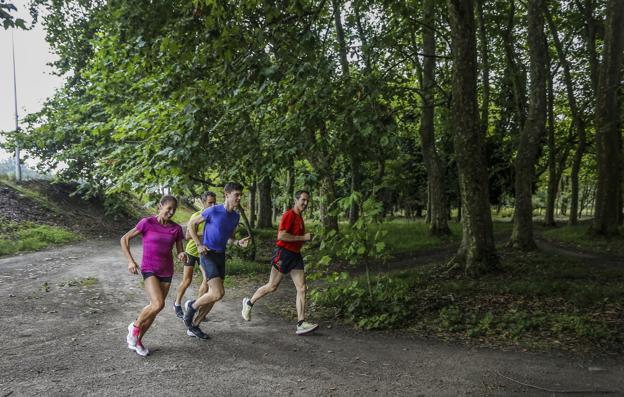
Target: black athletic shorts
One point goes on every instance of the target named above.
(192, 260)
(160, 278)
(285, 261)
(213, 264)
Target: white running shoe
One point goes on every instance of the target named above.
(131, 339)
(306, 328)
(246, 312)
(140, 349)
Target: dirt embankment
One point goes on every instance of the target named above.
(43, 202)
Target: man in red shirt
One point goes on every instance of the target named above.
(287, 259)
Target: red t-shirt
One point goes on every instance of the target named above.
(292, 223)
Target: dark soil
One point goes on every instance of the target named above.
(60, 207)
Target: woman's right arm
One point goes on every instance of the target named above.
(125, 248)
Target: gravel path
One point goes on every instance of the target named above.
(65, 311)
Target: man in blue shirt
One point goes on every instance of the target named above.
(220, 223)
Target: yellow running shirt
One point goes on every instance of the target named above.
(191, 248)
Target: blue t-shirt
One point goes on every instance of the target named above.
(220, 226)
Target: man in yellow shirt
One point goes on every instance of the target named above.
(208, 199)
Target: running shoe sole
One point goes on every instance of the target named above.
(187, 321)
(178, 311)
(131, 346)
(307, 331)
(246, 310)
(201, 335)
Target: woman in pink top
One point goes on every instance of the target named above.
(160, 234)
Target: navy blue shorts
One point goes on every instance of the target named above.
(213, 264)
(285, 261)
(192, 260)
(160, 278)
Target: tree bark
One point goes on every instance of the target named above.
(356, 185)
(354, 211)
(477, 253)
(553, 180)
(577, 118)
(252, 203)
(290, 183)
(249, 229)
(485, 69)
(517, 75)
(328, 220)
(265, 210)
(608, 138)
(437, 198)
(528, 146)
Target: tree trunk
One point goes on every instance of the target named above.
(356, 176)
(517, 75)
(265, 210)
(435, 173)
(354, 211)
(590, 38)
(328, 219)
(428, 216)
(531, 135)
(248, 228)
(485, 69)
(608, 150)
(477, 252)
(252, 203)
(578, 119)
(290, 184)
(553, 180)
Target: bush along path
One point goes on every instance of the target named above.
(558, 298)
(65, 312)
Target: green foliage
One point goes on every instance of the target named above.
(183, 214)
(579, 236)
(238, 266)
(534, 300)
(30, 237)
(358, 242)
(412, 236)
(9, 21)
(385, 303)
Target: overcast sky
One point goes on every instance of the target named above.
(35, 82)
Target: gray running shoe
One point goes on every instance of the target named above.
(246, 312)
(178, 311)
(189, 314)
(196, 332)
(306, 328)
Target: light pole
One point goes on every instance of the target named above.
(18, 167)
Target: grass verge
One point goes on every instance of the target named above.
(580, 237)
(536, 301)
(28, 236)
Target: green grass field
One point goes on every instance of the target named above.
(580, 237)
(31, 237)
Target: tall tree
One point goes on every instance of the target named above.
(533, 131)
(608, 136)
(553, 181)
(437, 199)
(356, 173)
(265, 206)
(485, 68)
(517, 74)
(477, 252)
(578, 119)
